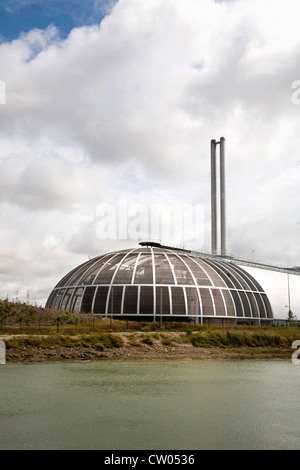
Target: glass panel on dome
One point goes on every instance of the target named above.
(130, 300)
(162, 300)
(225, 277)
(90, 274)
(231, 279)
(76, 300)
(237, 303)
(261, 306)
(51, 298)
(73, 281)
(245, 304)
(125, 270)
(64, 280)
(207, 305)
(59, 296)
(200, 275)
(248, 278)
(144, 250)
(115, 300)
(178, 303)
(106, 273)
(229, 303)
(66, 299)
(259, 288)
(251, 280)
(218, 300)
(233, 274)
(100, 300)
(146, 300)
(87, 301)
(181, 271)
(163, 271)
(213, 273)
(253, 304)
(268, 306)
(192, 301)
(144, 271)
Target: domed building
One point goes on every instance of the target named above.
(156, 284)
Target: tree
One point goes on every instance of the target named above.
(291, 316)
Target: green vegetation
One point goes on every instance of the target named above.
(132, 341)
(167, 342)
(232, 339)
(24, 326)
(98, 341)
(147, 340)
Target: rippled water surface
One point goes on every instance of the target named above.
(150, 405)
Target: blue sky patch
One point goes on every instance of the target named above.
(20, 16)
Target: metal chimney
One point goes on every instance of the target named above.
(213, 197)
(214, 237)
(222, 196)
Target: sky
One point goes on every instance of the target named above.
(109, 111)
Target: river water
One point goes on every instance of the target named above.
(190, 405)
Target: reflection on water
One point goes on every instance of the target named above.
(150, 405)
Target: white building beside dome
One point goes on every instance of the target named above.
(282, 289)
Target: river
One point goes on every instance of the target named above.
(190, 405)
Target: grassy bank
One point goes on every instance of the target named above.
(99, 341)
(37, 333)
(267, 338)
(147, 340)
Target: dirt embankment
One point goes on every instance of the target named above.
(143, 346)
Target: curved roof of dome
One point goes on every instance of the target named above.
(152, 280)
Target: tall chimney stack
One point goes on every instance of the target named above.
(213, 146)
(214, 225)
(222, 196)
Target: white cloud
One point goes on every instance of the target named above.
(128, 108)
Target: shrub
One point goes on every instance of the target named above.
(148, 341)
(133, 342)
(199, 341)
(236, 340)
(146, 328)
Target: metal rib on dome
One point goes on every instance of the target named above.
(155, 282)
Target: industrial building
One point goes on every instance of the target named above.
(155, 282)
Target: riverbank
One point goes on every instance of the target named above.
(144, 354)
(34, 334)
(147, 346)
